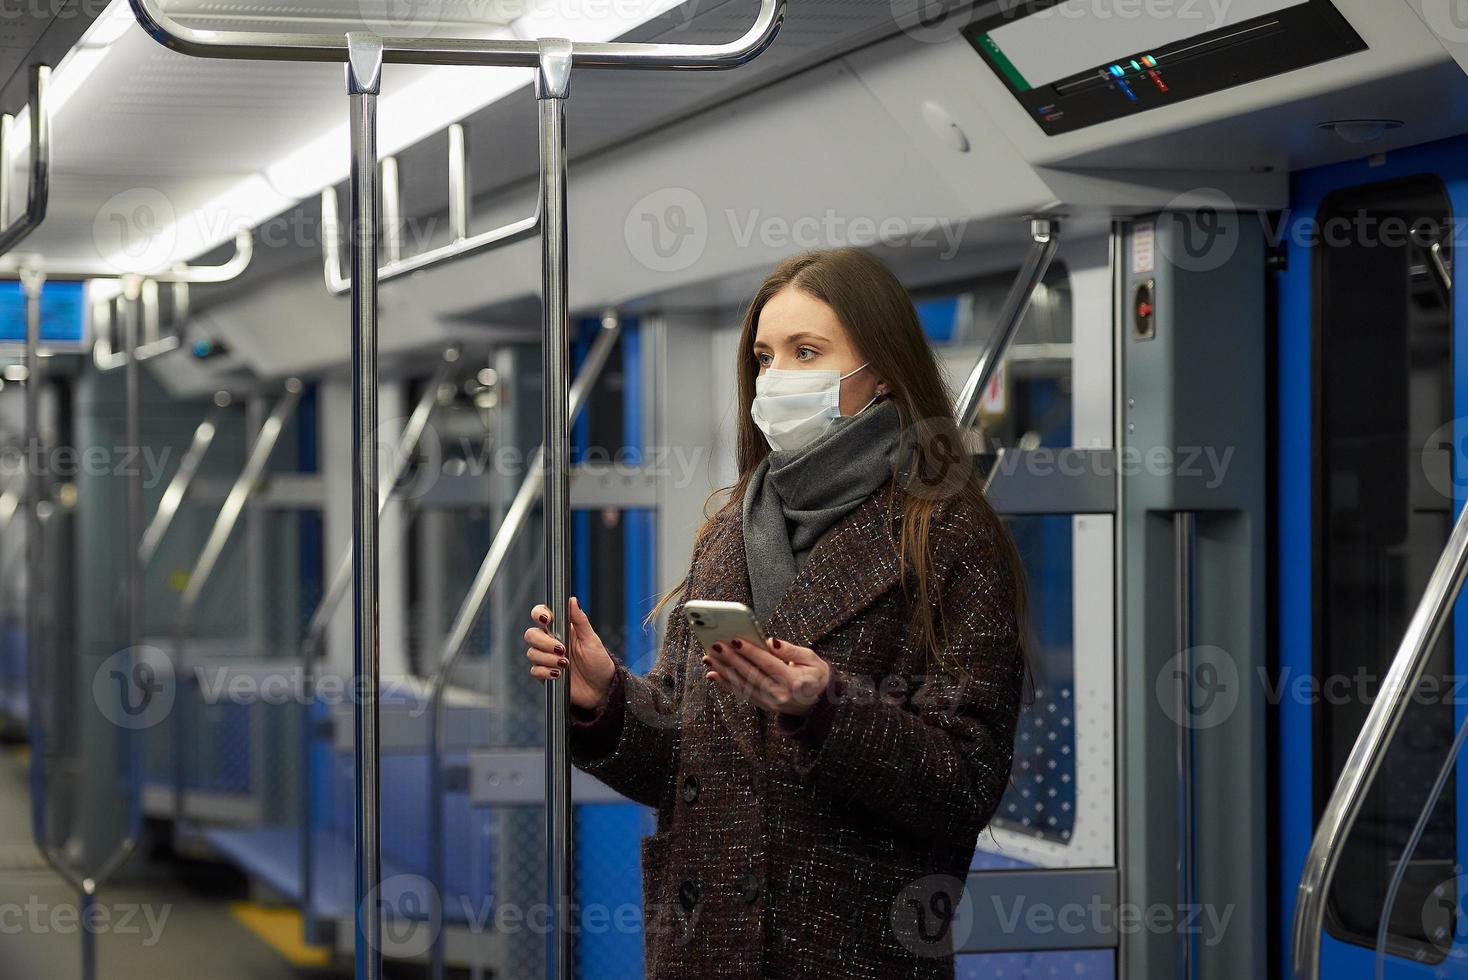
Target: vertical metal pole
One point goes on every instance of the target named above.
(36, 632)
(1183, 527)
(88, 936)
(364, 76)
(132, 613)
(552, 86)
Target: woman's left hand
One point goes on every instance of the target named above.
(779, 677)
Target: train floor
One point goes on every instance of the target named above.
(162, 919)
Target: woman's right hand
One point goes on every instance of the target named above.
(590, 664)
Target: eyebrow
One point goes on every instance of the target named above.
(802, 335)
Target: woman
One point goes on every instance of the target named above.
(819, 799)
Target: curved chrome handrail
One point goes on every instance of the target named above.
(1371, 746)
(512, 53)
(462, 246)
(136, 287)
(38, 191)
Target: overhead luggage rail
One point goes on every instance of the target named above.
(364, 54)
(461, 246)
(1365, 761)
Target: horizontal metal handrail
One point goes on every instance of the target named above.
(506, 52)
(1369, 752)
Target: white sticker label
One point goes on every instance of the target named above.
(1144, 241)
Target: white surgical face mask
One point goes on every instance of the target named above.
(795, 408)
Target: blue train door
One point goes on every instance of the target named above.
(1370, 385)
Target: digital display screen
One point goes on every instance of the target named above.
(1076, 63)
(1077, 35)
(63, 315)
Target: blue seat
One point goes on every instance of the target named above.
(273, 855)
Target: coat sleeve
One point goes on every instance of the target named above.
(934, 762)
(632, 745)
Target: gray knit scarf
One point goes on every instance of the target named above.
(795, 496)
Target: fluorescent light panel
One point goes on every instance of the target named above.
(440, 96)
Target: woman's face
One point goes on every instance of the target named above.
(798, 332)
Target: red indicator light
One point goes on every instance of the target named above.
(1161, 85)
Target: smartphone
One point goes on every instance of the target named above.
(713, 622)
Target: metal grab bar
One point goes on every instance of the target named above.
(462, 246)
(137, 289)
(14, 232)
(525, 499)
(38, 191)
(512, 53)
(336, 590)
(229, 514)
(364, 55)
(407, 446)
(1045, 233)
(183, 478)
(1364, 762)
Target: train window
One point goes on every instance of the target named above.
(1383, 336)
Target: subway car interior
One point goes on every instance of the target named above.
(334, 336)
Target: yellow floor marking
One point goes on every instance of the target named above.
(280, 929)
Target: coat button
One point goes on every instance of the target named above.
(690, 789)
(749, 888)
(688, 895)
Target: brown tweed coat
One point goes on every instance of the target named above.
(775, 859)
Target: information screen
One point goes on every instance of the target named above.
(63, 315)
(1075, 63)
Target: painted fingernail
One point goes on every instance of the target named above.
(737, 644)
(775, 644)
(560, 651)
(565, 662)
(719, 647)
(544, 619)
(555, 673)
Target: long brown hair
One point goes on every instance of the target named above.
(881, 323)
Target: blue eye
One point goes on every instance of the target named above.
(803, 351)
